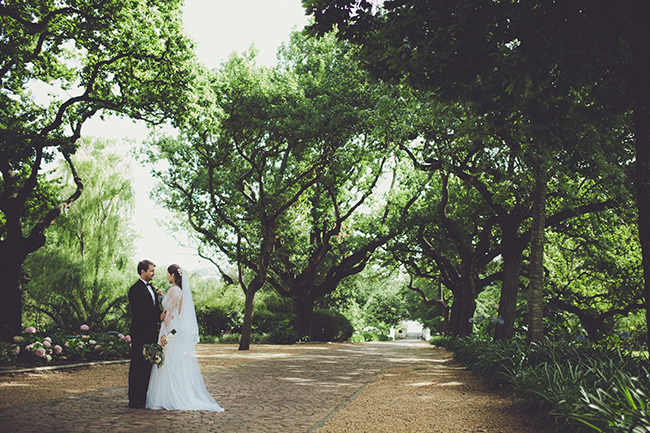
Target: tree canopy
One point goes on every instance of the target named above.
(64, 62)
(542, 65)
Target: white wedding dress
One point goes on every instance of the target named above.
(178, 383)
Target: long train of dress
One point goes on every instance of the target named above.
(178, 383)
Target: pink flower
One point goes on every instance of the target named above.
(47, 339)
(16, 350)
(98, 348)
(30, 330)
(85, 336)
(92, 342)
(46, 343)
(120, 336)
(40, 352)
(84, 327)
(58, 349)
(29, 346)
(127, 338)
(66, 344)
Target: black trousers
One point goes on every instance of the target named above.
(139, 373)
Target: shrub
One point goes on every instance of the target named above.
(283, 335)
(360, 337)
(328, 325)
(8, 352)
(623, 406)
(230, 338)
(272, 313)
(214, 320)
(35, 348)
(584, 387)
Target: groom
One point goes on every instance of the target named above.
(145, 307)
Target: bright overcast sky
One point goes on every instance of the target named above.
(219, 27)
(223, 26)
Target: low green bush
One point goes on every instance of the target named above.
(215, 320)
(328, 325)
(285, 335)
(361, 337)
(582, 387)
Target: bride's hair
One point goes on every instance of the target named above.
(175, 270)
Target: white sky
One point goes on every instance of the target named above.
(219, 27)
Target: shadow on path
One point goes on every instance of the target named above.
(291, 394)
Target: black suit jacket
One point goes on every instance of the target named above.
(146, 314)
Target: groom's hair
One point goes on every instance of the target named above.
(144, 266)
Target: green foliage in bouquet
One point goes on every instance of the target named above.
(154, 354)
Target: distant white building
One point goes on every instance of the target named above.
(411, 330)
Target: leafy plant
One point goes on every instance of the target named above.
(624, 407)
(576, 384)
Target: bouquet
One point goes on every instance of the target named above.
(154, 352)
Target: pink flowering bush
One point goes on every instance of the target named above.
(36, 348)
(8, 352)
(37, 351)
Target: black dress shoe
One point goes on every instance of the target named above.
(136, 405)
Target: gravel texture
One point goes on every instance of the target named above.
(444, 397)
(423, 392)
(46, 383)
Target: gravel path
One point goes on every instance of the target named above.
(403, 386)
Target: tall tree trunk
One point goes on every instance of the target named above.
(245, 340)
(536, 285)
(640, 88)
(305, 313)
(11, 264)
(462, 310)
(465, 325)
(512, 258)
(444, 309)
(15, 248)
(455, 317)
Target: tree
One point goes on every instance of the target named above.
(79, 275)
(328, 235)
(594, 269)
(269, 141)
(249, 155)
(335, 243)
(112, 57)
(450, 241)
(500, 54)
(640, 87)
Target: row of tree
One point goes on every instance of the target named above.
(557, 85)
(285, 172)
(452, 142)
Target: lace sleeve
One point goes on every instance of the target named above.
(172, 305)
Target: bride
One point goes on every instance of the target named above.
(178, 383)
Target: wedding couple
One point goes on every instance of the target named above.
(177, 384)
